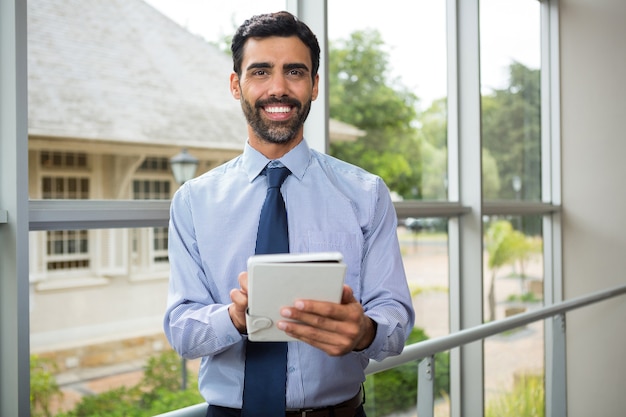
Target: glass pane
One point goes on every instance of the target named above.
(392, 87)
(510, 65)
(158, 83)
(424, 246)
(108, 119)
(513, 284)
(96, 316)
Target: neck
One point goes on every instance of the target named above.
(273, 150)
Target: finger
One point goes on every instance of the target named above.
(237, 310)
(347, 296)
(347, 327)
(311, 311)
(243, 281)
(239, 299)
(334, 344)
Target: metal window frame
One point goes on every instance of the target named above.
(464, 208)
(14, 311)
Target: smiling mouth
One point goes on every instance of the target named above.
(277, 109)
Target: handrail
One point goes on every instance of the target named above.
(428, 348)
(441, 344)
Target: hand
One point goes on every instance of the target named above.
(239, 297)
(336, 329)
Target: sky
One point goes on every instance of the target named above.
(413, 30)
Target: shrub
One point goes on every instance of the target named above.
(43, 387)
(526, 400)
(395, 390)
(158, 392)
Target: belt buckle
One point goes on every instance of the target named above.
(303, 413)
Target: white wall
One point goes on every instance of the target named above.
(593, 98)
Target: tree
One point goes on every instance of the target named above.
(364, 95)
(503, 246)
(511, 132)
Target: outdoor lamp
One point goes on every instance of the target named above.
(183, 166)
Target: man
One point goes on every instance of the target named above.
(331, 206)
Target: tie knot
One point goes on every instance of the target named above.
(276, 176)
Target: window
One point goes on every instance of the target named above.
(65, 249)
(120, 170)
(511, 164)
(151, 190)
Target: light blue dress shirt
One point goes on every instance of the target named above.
(331, 206)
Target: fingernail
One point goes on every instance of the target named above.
(299, 305)
(282, 325)
(285, 312)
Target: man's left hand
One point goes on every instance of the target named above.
(336, 329)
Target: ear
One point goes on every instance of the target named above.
(315, 91)
(234, 86)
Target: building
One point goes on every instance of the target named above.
(587, 62)
(115, 90)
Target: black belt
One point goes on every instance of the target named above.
(345, 409)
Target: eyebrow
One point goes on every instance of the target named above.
(295, 65)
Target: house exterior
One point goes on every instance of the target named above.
(115, 90)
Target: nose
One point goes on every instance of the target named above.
(278, 85)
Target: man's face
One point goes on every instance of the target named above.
(275, 88)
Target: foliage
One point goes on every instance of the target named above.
(43, 387)
(511, 131)
(526, 400)
(365, 96)
(163, 372)
(527, 297)
(394, 390)
(506, 246)
(158, 392)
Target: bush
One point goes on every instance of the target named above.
(526, 400)
(158, 392)
(395, 390)
(43, 387)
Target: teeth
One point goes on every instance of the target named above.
(278, 109)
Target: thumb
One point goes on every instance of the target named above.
(347, 296)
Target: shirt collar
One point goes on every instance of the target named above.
(297, 160)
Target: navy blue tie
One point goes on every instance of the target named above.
(265, 381)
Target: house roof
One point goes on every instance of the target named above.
(119, 70)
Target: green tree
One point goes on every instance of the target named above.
(511, 132)
(364, 95)
(504, 246)
(433, 138)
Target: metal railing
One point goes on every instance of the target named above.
(426, 350)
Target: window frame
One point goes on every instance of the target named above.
(464, 209)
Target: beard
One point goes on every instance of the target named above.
(273, 131)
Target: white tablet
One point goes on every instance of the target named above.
(276, 281)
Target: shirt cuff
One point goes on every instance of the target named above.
(224, 327)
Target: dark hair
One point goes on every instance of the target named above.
(282, 24)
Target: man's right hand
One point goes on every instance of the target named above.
(237, 310)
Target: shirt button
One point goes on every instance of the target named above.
(291, 369)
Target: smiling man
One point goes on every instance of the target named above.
(330, 206)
